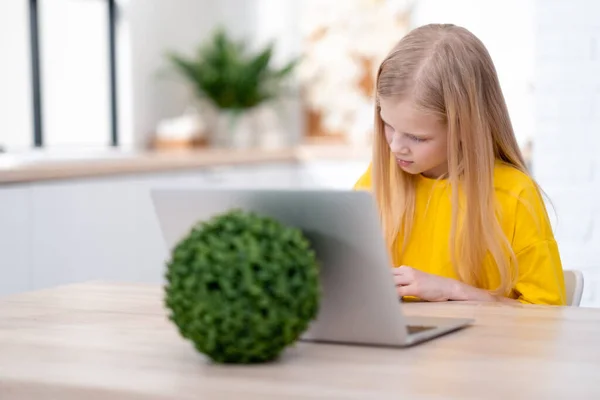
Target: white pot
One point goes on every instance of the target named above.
(235, 129)
(257, 127)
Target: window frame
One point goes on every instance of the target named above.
(36, 79)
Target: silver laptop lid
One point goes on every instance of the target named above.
(359, 303)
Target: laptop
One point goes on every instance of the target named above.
(359, 303)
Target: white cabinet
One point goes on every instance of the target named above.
(58, 232)
(106, 228)
(333, 174)
(15, 240)
(97, 229)
(272, 175)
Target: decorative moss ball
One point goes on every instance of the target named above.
(242, 287)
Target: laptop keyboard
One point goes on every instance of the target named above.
(418, 328)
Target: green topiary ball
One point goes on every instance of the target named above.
(242, 287)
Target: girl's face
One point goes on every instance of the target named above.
(418, 140)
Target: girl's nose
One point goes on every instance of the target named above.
(398, 146)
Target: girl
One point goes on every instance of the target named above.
(461, 216)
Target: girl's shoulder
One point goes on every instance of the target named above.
(519, 194)
(508, 178)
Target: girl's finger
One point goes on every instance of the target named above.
(400, 270)
(402, 280)
(407, 290)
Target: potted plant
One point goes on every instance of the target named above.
(242, 287)
(235, 82)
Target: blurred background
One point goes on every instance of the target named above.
(102, 100)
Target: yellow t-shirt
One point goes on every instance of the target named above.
(524, 220)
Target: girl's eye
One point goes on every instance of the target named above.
(416, 139)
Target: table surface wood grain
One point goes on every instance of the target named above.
(113, 341)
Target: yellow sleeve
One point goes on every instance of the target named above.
(540, 273)
(364, 181)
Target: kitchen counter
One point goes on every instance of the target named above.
(20, 169)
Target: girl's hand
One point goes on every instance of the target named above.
(428, 287)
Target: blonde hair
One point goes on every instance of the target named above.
(447, 71)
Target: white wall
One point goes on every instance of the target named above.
(279, 21)
(507, 30)
(566, 157)
(150, 28)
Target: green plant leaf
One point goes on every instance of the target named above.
(225, 72)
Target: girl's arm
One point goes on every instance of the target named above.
(414, 283)
(465, 292)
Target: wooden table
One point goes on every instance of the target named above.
(112, 341)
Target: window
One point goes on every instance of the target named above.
(16, 132)
(61, 79)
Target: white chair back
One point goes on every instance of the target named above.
(574, 286)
